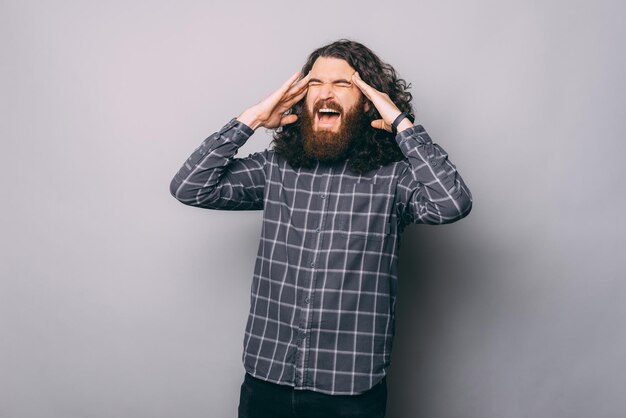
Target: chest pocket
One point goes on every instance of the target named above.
(363, 211)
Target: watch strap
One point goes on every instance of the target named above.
(400, 118)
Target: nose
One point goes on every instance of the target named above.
(326, 91)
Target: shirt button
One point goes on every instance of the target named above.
(307, 300)
(323, 196)
(317, 230)
(313, 264)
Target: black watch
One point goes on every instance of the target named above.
(400, 118)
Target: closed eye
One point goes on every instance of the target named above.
(338, 83)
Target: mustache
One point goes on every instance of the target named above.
(328, 105)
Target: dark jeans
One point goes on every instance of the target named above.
(261, 399)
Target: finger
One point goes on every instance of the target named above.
(305, 79)
(359, 83)
(298, 85)
(285, 120)
(297, 89)
(367, 90)
(380, 124)
(288, 103)
(303, 82)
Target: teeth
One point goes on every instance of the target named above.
(326, 110)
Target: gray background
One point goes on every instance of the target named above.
(116, 300)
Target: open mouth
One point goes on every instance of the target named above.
(327, 117)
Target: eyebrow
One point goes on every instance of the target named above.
(341, 80)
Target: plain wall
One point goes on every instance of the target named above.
(117, 300)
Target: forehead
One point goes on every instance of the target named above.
(331, 68)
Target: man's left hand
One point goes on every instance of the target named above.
(381, 101)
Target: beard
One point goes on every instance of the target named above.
(325, 145)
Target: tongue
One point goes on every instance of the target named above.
(328, 117)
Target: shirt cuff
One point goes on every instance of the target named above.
(237, 132)
(417, 133)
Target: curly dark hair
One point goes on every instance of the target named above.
(376, 147)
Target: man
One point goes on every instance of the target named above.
(347, 173)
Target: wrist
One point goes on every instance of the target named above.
(403, 121)
(250, 118)
(405, 124)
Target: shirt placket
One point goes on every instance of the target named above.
(306, 309)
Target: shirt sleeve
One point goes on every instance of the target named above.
(212, 178)
(430, 190)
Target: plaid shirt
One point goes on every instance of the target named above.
(324, 285)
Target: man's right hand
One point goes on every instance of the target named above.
(270, 112)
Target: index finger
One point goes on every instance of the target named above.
(362, 85)
(304, 79)
(298, 86)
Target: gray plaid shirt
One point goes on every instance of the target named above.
(324, 284)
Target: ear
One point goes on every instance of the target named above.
(366, 106)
